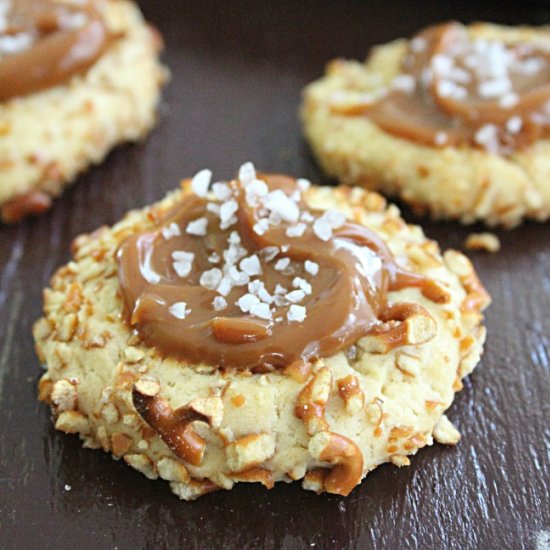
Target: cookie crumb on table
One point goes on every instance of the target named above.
(487, 242)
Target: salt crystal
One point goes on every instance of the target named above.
(296, 296)
(508, 101)
(234, 238)
(487, 135)
(214, 208)
(514, 124)
(182, 268)
(282, 264)
(251, 265)
(247, 301)
(441, 138)
(296, 313)
(197, 227)
(247, 173)
(334, 218)
(221, 191)
(182, 256)
(171, 230)
(282, 206)
(269, 253)
(494, 88)
(261, 226)
(201, 182)
(214, 258)
(227, 211)
(296, 230)
(257, 187)
(322, 229)
(264, 295)
(299, 282)
(239, 278)
(225, 286)
(179, 310)
(219, 303)
(311, 267)
(261, 310)
(211, 279)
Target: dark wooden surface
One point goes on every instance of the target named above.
(238, 68)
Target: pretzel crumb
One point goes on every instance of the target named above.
(485, 242)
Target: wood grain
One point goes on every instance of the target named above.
(238, 68)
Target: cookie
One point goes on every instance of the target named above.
(259, 330)
(76, 79)
(454, 122)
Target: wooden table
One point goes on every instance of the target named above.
(238, 68)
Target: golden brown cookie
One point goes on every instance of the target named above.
(62, 110)
(263, 330)
(454, 121)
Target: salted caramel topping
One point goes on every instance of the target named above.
(43, 43)
(457, 90)
(246, 276)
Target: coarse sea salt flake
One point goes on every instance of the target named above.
(251, 265)
(296, 230)
(282, 206)
(201, 182)
(334, 218)
(261, 310)
(225, 286)
(221, 191)
(514, 124)
(182, 256)
(228, 209)
(296, 296)
(508, 101)
(219, 303)
(311, 267)
(247, 301)
(299, 282)
(179, 310)
(257, 187)
(296, 313)
(269, 253)
(171, 230)
(282, 264)
(197, 227)
(214, 208)
(211, 279)
(247, 173)
(322, 229)
(441, 138)
(261, 226)
(486, 135)
(182, 268)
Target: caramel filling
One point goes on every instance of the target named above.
(44, 43)
(457, 90)
(249, 277)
